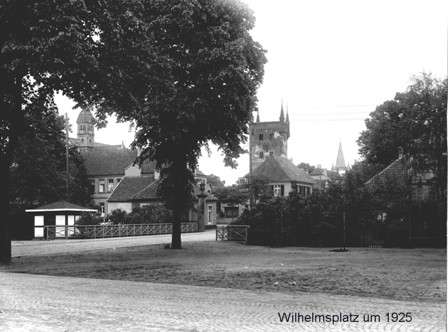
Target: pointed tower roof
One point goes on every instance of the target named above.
(258, 116)
(287, 113)
(340, 161)
(282, 114)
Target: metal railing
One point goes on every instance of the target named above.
(106, 231)
(232, 233)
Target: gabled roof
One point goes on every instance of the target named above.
(397, 169)
(128, 187)
(147, 193)
(60, 206)
(110, 160)
(144, 189)
(281, 169)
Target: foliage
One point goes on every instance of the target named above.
(414, 120)
(46, 47)
(230, 194)
(151, 214)
(215, 181)
(191, 75)
(117, 216)
(38, 175)
(89, 219)
(307, 167)
(261, 190)
(185, 72)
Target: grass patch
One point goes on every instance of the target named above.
(403, 274)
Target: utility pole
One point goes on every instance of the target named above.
(249, 182)
(66, 152)
(343, 221)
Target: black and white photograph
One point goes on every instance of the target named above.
(223, 165)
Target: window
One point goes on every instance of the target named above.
(231, 211)
(110, 185)
(261, 155)
(304, 191)
(101, 186)
(102, 209)
(271, 136)
(278, 190)
(210, 210)
(261, 137)
(271, 153)
(92, 184)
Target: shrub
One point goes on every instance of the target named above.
(89, 219)
(117, 216)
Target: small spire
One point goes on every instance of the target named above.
(287, 113)
(258, 116)
(340, 161)
(282, 114)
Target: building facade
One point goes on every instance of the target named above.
(268, 139)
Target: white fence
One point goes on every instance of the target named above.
(104, 231)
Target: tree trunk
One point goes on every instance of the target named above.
(176, 242)
(12, 116)
(5, 224)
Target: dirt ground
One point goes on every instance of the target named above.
(403, 274)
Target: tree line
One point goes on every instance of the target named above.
(351, 213)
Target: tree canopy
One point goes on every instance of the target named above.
(191, 75)
(414, 120)
(184, 72)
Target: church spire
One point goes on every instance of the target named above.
(282, 114)
(340, 161)
(287, 113)
(258, 116)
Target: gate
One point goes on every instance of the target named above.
(232, 233)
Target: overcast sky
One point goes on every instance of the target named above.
(332, 62)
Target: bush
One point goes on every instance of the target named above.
(117, 216)
(89, 219)
(152, 214)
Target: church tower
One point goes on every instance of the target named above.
(340, 161)
(85, 130)
(269, 139)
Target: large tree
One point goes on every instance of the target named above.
(191, 76)
(184, 72)
(45, 46)
(414, 120)
(38, 174)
